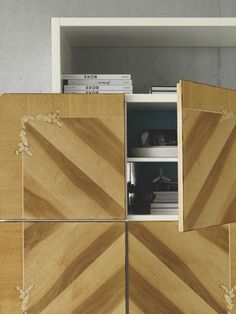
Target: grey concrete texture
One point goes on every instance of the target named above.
(25, 42)
(150, 66)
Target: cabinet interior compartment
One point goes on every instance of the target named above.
(147, 195)
(152, 162)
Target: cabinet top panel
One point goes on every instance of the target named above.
(148, 32)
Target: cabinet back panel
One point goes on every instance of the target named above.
(151, 66)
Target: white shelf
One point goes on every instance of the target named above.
(152, 217)
(170, 98)
(149, 32)
(134, 32)
(167, 101)
(156, 159)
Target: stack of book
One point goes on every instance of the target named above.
(97, 83)
(165, 202)
(163, 89)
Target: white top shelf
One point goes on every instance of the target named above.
(149, 32)
(163, 101)
(170, 98)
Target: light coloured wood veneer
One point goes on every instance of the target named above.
(70, 267)
(76, 171)
(172, 272)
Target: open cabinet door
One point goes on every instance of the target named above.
(207, 155)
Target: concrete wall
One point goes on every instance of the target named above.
(25, 42)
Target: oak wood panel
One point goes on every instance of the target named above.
(75, 267)
(82, 177)
(95, 124)
(233, 253)
(232, 282)
(207, 149)
(172, 272)
(10, 267)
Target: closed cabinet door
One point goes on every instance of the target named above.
(207, 155)
(62, 267)
(62, 156)
(172, 272)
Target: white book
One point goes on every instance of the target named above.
(159, 199)
(95, 76)
(162, 89)
(166, 192)
(101, 82)
(166, 197)
(162, 92)
(96, 88)
(164, 205)
(161, 211)
(98, 92)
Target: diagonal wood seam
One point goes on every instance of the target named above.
(83, 131)
(194, 213)
(158, 298)
(42, 204)
(100, 287)
(104, 294)
(112, 207)
(156, 246)
(82, 262)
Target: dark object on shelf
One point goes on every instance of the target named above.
(142, 198)
(161, 137)
(163, 183)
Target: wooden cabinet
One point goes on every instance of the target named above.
(64, 267)
(63, 181)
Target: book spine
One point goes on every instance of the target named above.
(101, 82)
(98, 92)
(95, 76)
(163, 92)
(163, 88)
(97, 88)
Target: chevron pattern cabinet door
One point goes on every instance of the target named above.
(172, 272)
(62, 267)
(62, 156)
(207, 155)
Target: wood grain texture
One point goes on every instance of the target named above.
(75, 267)
(172, 272)
(233, 261)
(76, 171)
(10, 267)
(207, 148)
